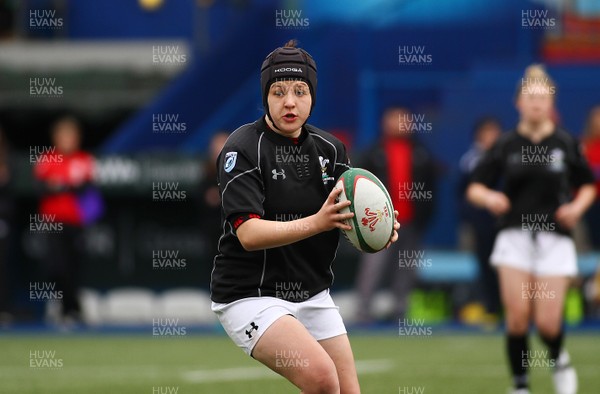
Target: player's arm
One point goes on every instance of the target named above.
(258, 234)
(569, 214)
(581, 180)
(482, 196)
(487, 173)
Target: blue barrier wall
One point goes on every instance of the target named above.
(478, 52)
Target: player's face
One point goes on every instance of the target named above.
(289, 104)
(487, 136)
(397, 123)
(66, 138)
(536, 103)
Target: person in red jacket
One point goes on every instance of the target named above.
(65, 171)
(407, 168)
(591, 150)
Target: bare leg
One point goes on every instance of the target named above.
(340, 352)
(289, 349)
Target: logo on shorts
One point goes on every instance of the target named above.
(253, 327)
(230, 159)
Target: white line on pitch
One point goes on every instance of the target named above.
(363, 367)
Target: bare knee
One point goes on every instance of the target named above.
(321, 379)
(548, 327)
(517, 321)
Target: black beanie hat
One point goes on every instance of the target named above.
(288, 62)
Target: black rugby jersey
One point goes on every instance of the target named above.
(264, 173)
(537, 178)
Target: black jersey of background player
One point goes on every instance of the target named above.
(537, 178)
(264, 174)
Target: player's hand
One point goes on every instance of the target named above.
(497, 203)
(567, 215)
(394, 236)
(329, 217)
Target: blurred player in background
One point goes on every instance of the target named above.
(591, 149)
(210, 197)
(547, 187)
(396, 159)
(271, 279)
(7, 209)
(483, 228)
(64, 175)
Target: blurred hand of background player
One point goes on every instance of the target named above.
(497, 203)
(568, 215)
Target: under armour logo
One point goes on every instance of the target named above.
(278, 174)
(253, 327)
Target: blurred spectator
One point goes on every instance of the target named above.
(7, 19)
(6, 215)
(403, 164)
(482, 223)
(591, 149)
(65, 174)
(210, 198)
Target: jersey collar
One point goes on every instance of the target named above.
(278, 138)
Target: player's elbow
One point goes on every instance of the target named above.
(248, 237)
(249, 244)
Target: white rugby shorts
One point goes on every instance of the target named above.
(246, 320)
(545, 254)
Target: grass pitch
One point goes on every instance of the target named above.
(140, 363)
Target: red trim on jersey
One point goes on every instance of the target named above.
(237, 222)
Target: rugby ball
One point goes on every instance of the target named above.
(373, 221)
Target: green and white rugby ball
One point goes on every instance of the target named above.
(373, 221)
